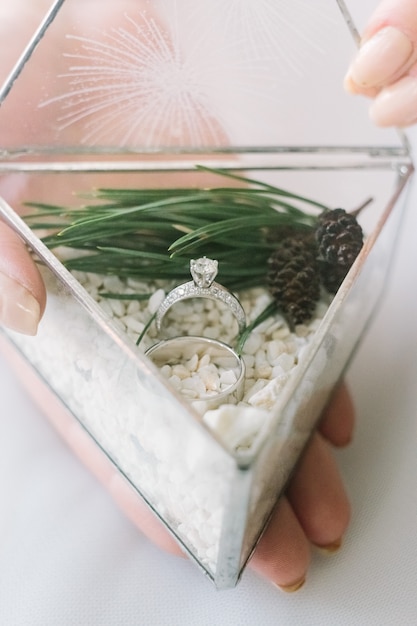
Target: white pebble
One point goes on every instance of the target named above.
(118, 307)
(105, 305)
(263, 370)
(301, 330)
(95, 280)
(133, 307)
(211, 332)
(286, 361)
(281, 333)
(166, 370)
(194, 383)
(238, 426)
(198, 306)
(250, 372)
(181, 371)
(257, 386)
(192, 363)
(249, 360)
(274, 349)
(189, 393)
(228, 377)
(210, 377)
(277, 371)
(291, 346)
(195, 329)
(155, 300)
(133, 324)
(260, 357)
(249, 383)
(205, 360)
(175, 381)
(139, 286)
(213, 316)
(279, 323)
(253, 343)
(113, 284)
(266, 397)
(225, 362)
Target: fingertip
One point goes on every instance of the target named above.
(396, 105)
(292, 588)
(338, 420)
(349, 84)
(283, 553)
(354, 89)
(318, 497)
(22, 291)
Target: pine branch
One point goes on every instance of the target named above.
(152, 233)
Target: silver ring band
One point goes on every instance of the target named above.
(203, 272)
(207, 355)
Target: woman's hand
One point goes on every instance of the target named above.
(315, 510)
(385, 68)
(22, 293)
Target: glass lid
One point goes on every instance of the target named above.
(98, 78)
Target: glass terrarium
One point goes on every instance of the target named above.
(135, 104)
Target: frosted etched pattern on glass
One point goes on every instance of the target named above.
(191, 74)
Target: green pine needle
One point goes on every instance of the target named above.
(269, 310)
(152, 233)
(125, 296)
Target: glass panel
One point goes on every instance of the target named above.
(327, 356)
(186, 74)
(151, 437)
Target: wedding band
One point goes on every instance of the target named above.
(210, 362)
(203, 272)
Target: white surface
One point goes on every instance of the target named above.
(68, 557)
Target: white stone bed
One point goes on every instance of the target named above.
(271, 353)
(190, 490)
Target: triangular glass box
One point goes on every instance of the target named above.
(136, 94)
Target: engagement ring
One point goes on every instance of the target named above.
(203, 272)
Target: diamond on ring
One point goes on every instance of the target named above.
(203, 272)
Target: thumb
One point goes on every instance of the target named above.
(22, 292)
(385, 67)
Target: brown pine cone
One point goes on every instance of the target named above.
(293, 278)
(339, 237)
(332, 276)
(284, 231)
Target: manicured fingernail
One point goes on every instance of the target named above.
(330, 548)
(351, 87)
(379, 58)
(293, 587)
(19, 310)
(396, 105)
